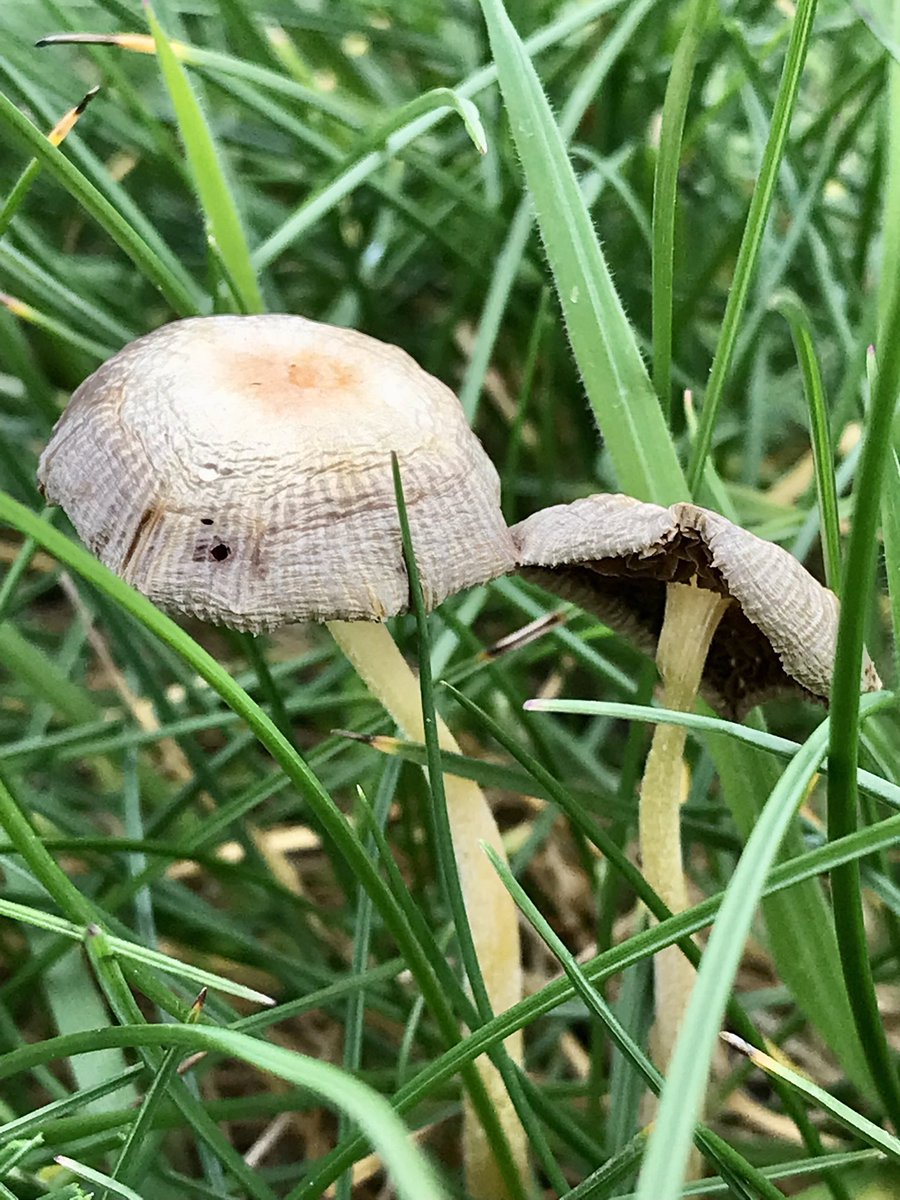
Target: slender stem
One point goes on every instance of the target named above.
(751, 241)
(665, 196)
(692, 615)
(492, 914)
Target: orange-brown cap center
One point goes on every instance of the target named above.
(280, 384)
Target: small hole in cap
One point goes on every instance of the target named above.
(220, 552)
(206, 520)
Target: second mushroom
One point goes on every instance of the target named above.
(728, 615)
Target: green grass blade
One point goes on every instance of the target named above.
(845, 707)
(890, 527)
(828, 1165)
(603, 342)
(354, 1024)
(662, 1172)
(139, 1141)
(214, 1148)
(208, 174)
(390, 138)
(36, 1121)
(606, 1179)
(797, 317)
(890, 265)
(177, 290)
(799, 925)
(435, 100)
(446, 858)
(83, 1171)
(509, 259)
(409, 1171)
(665, 195)
(54, 880)
(869, 782)
(754, 229)
(509, 1169)
(57, 329)
(864, 1129)
(23, 184)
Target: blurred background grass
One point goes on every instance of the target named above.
(151, 794)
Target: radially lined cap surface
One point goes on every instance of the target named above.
(614, 555)
(237, 468)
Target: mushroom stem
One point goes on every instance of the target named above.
(492, 914)
(692, 616)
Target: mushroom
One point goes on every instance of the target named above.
(725, 613)
(238, 469)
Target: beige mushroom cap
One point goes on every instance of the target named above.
(237, 468)
(613, 556)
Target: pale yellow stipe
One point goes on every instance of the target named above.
(492, 914)
(692, 616)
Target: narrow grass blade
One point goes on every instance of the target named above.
(218, 62)
(36, 1121)
(511, 1172)
(825, 1166)
(177, 289)
(843, 751)
(797, 317)
(139, 1140)
(509, 259)
(57, 134)
(665, 195)
(662, 1173)
(754, 229)
(859, 1125)
(446, 857)
(208, 174)
(71, 996)
(890, 265)
(376, 150)
(14, 1153)
(213, 1146)
(435, 100)
(602, 340)
(354, 1021)
(130, 951)
(890, 527)
(869, 782)
(410, 1173)
(56, 329)
(83, 1171)
(606, 1179)
(798, 924)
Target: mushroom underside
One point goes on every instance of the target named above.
(629, 595)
